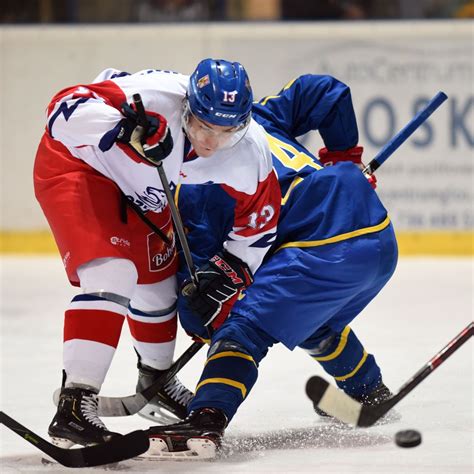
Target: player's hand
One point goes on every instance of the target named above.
(220, 282)
(330, 158)
(151, 144)
(354, 154)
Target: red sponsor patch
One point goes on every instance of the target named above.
(160, 254)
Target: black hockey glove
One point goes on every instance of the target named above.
(219, 282)
(151, 145)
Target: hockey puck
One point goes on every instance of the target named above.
(408, 438)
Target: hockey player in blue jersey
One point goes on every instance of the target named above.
(334, 251)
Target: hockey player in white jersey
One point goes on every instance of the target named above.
(96, 181)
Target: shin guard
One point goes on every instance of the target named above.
(229, 375)
(343, 356)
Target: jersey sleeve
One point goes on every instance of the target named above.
(245, 172)
(86, 115)
(312, 102)
(255, 221)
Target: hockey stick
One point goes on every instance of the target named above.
(178, 223)
(132, 404)
(118, 449)
(404, 133)
(341, 406)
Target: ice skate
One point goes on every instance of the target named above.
(196, 437)
(76, 420)
(170, 403)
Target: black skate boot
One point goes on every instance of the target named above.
(172, 399)
(76, 421)
(199, 435)
(375, 397)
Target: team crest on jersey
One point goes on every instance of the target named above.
(152, 199)
(203, 81)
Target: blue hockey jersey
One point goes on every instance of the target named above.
(317, 203)
(320, 206)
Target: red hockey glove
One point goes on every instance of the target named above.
(220, 282)
(330, 158)
(354, 154)
(152, 147)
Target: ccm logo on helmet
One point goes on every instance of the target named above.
(220, 114)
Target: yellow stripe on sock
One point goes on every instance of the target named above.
(230, 382)
(339, 348)
(351, 374)
(232, 354)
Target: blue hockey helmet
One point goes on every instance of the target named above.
(219, 92)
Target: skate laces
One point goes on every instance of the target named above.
(89, 406)
(178, 392)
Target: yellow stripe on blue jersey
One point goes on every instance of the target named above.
(268, 97)
(338, 238)
(294, 183)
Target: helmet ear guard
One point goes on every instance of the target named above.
(219, 93)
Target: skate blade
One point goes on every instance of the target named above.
(62, 442)
(158, 415)
(198, 449)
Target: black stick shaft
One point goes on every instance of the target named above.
(118, 449)
(178, 223)
(369, 415)
(437, 360)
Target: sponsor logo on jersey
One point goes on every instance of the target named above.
(119, 241)
(161, 255)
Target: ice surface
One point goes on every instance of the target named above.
(425, 305)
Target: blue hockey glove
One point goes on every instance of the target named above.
(151, 145)
(219, 282)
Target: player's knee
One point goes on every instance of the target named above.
(241, 330)
(154, 297)
(227, 346)
(108, 275)
(318, 347)
(320, 341)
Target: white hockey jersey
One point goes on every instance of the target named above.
(85, 118)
